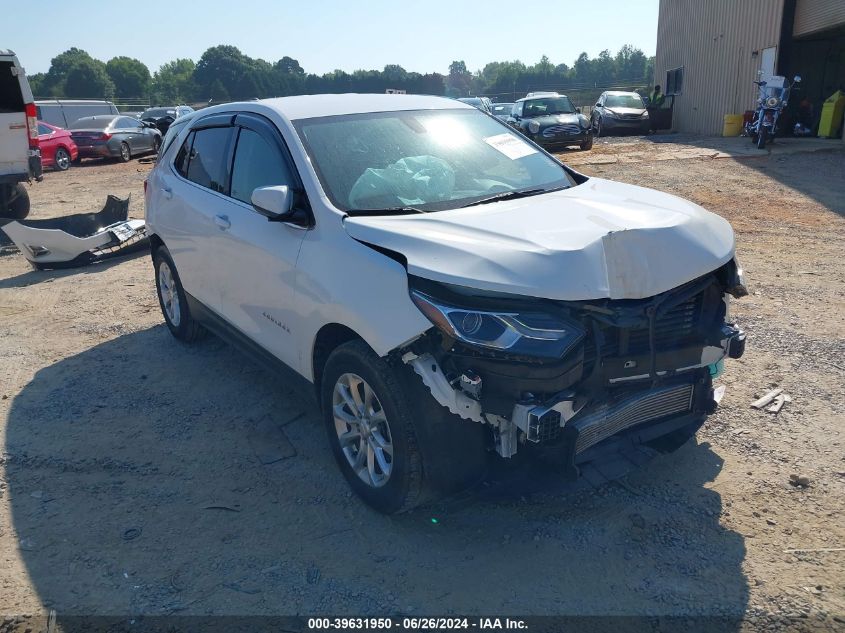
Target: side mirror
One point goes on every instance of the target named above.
(578, 110)
(276, 204)
(797, 79)
(598, 105)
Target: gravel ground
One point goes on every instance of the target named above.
(133, 476)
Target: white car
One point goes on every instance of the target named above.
(449, 288)
(20, 155)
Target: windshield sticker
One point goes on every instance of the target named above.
(510, 146)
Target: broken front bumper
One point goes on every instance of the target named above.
(646, 367)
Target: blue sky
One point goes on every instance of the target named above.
(422, 36)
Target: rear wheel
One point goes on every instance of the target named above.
(16, 199)
(156, 144)
(125, 153)
(62, 159)
(172, 299)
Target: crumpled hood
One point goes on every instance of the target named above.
(601, 239)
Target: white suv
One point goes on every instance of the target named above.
(20, 155)
(449, 288)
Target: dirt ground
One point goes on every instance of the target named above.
(134, 474)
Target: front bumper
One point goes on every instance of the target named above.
(645, 364)
(560, 140)
(625, 124)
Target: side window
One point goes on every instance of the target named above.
(181, 161)
(517, 108)
(209, 158)
(43, 129)
(258, 163)
(125, 123)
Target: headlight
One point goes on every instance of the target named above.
(644, 115)
(772, 102)
(610, 113)
(533, 127)
(516, 332)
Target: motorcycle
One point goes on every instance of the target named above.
(773, 98)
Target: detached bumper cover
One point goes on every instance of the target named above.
(81, 239)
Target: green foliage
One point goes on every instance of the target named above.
(131, 78)
(174, 83)
(88, 77)
(225, 73)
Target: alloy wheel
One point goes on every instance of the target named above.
(62, 159)
(362, 430)
(169, 294)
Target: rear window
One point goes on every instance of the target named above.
(157, 113)
(11, 97)
(92, 123)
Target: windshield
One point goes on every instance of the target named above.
(549, 105)
(157, 113)
(429, 159)
(624, 101)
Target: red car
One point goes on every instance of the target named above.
(57, 147)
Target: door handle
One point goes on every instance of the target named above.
(222, 222)
(168, 192)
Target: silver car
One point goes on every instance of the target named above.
(111, 136)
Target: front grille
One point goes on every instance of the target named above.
(568, 129)
(611, 419)
(674, 329)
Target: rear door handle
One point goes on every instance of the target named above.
(222, 222)
(168, 192)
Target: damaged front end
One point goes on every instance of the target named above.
(577, 373)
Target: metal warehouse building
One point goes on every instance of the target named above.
(709, 52)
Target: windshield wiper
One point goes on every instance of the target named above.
(386, 211)
(509, 195)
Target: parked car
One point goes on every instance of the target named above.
(552, 122)
(20, 157)
(164, 116)
(443, 297)
(618, 111)
(502, 110)
(109, 136)
(57, 147)
(482, 103)
(64, 112)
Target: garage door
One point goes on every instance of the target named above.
(812, 16)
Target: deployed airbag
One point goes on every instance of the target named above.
(80, 239)
(411, 180)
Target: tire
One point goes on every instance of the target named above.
(18, 206)
(761, 138)
(125, 153)
(599, 128)
(588, 144)
(172, 299)
(62, 159)
(391, 480)
(156, 144)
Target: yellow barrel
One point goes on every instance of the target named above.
(733, 125)
(832, 110)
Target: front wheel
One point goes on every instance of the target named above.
(587, 144)
(761, 138)
(599, 127)
(62, 159)
(371, 429)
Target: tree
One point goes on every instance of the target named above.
(221, 66)
(88, 79)
(37, 83)
(173, 83)
(60, 67)
(459, 80)
(131, 78)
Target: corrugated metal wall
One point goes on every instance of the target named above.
(714, 40)
(817, 15)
